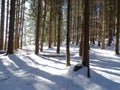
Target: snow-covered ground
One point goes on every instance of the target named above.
(26, 71)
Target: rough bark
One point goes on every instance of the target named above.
(10, 49)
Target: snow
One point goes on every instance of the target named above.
(26, 71)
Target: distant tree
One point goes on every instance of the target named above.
(37, 36)
(55, 22)
(118, 28)
(111, 21)
(74, 19)
(6, 28)
(59, 25)
(78, 24)
(103, 25)
(17, 23)
(50, 26)
(22, 21)
(31, 21)
(92, 21)
(2, 24)
(81, 41)
(10, 49)
(43, 26)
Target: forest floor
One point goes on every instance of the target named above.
(47, 71)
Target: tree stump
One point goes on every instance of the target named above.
(76, 68)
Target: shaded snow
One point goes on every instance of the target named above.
(26, 71)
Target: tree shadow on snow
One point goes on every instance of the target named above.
(10, 81)
(44, 65)
(106, 83)
(95, 82)
(60, 82)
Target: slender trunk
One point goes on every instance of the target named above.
(118, 27)
(78, 23)
(59, 27)
(81, 41)
(44, 19)
(111, 21)
(103, 27)
(74, 22)
(16, 42)
(55, 29)
(68, 35)
(22, 24)
(81, 34)
(5, 46)
(50, 27)
(38, 29)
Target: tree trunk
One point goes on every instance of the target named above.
(55, 23)
(118, 27)
(6, 31)
(59, 27)
(81, 41)
(2, 24)
(74, 22)
(50, 27)
(81, 34)
(78, 23)
(38, 29)
(43, 28)
(103, 26)
(68, 35)
(111, 21)
(85, 56)
(22, 22)
(10, 49)
(17, 10)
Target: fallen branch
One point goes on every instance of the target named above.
(2, 51)
(53, 55)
